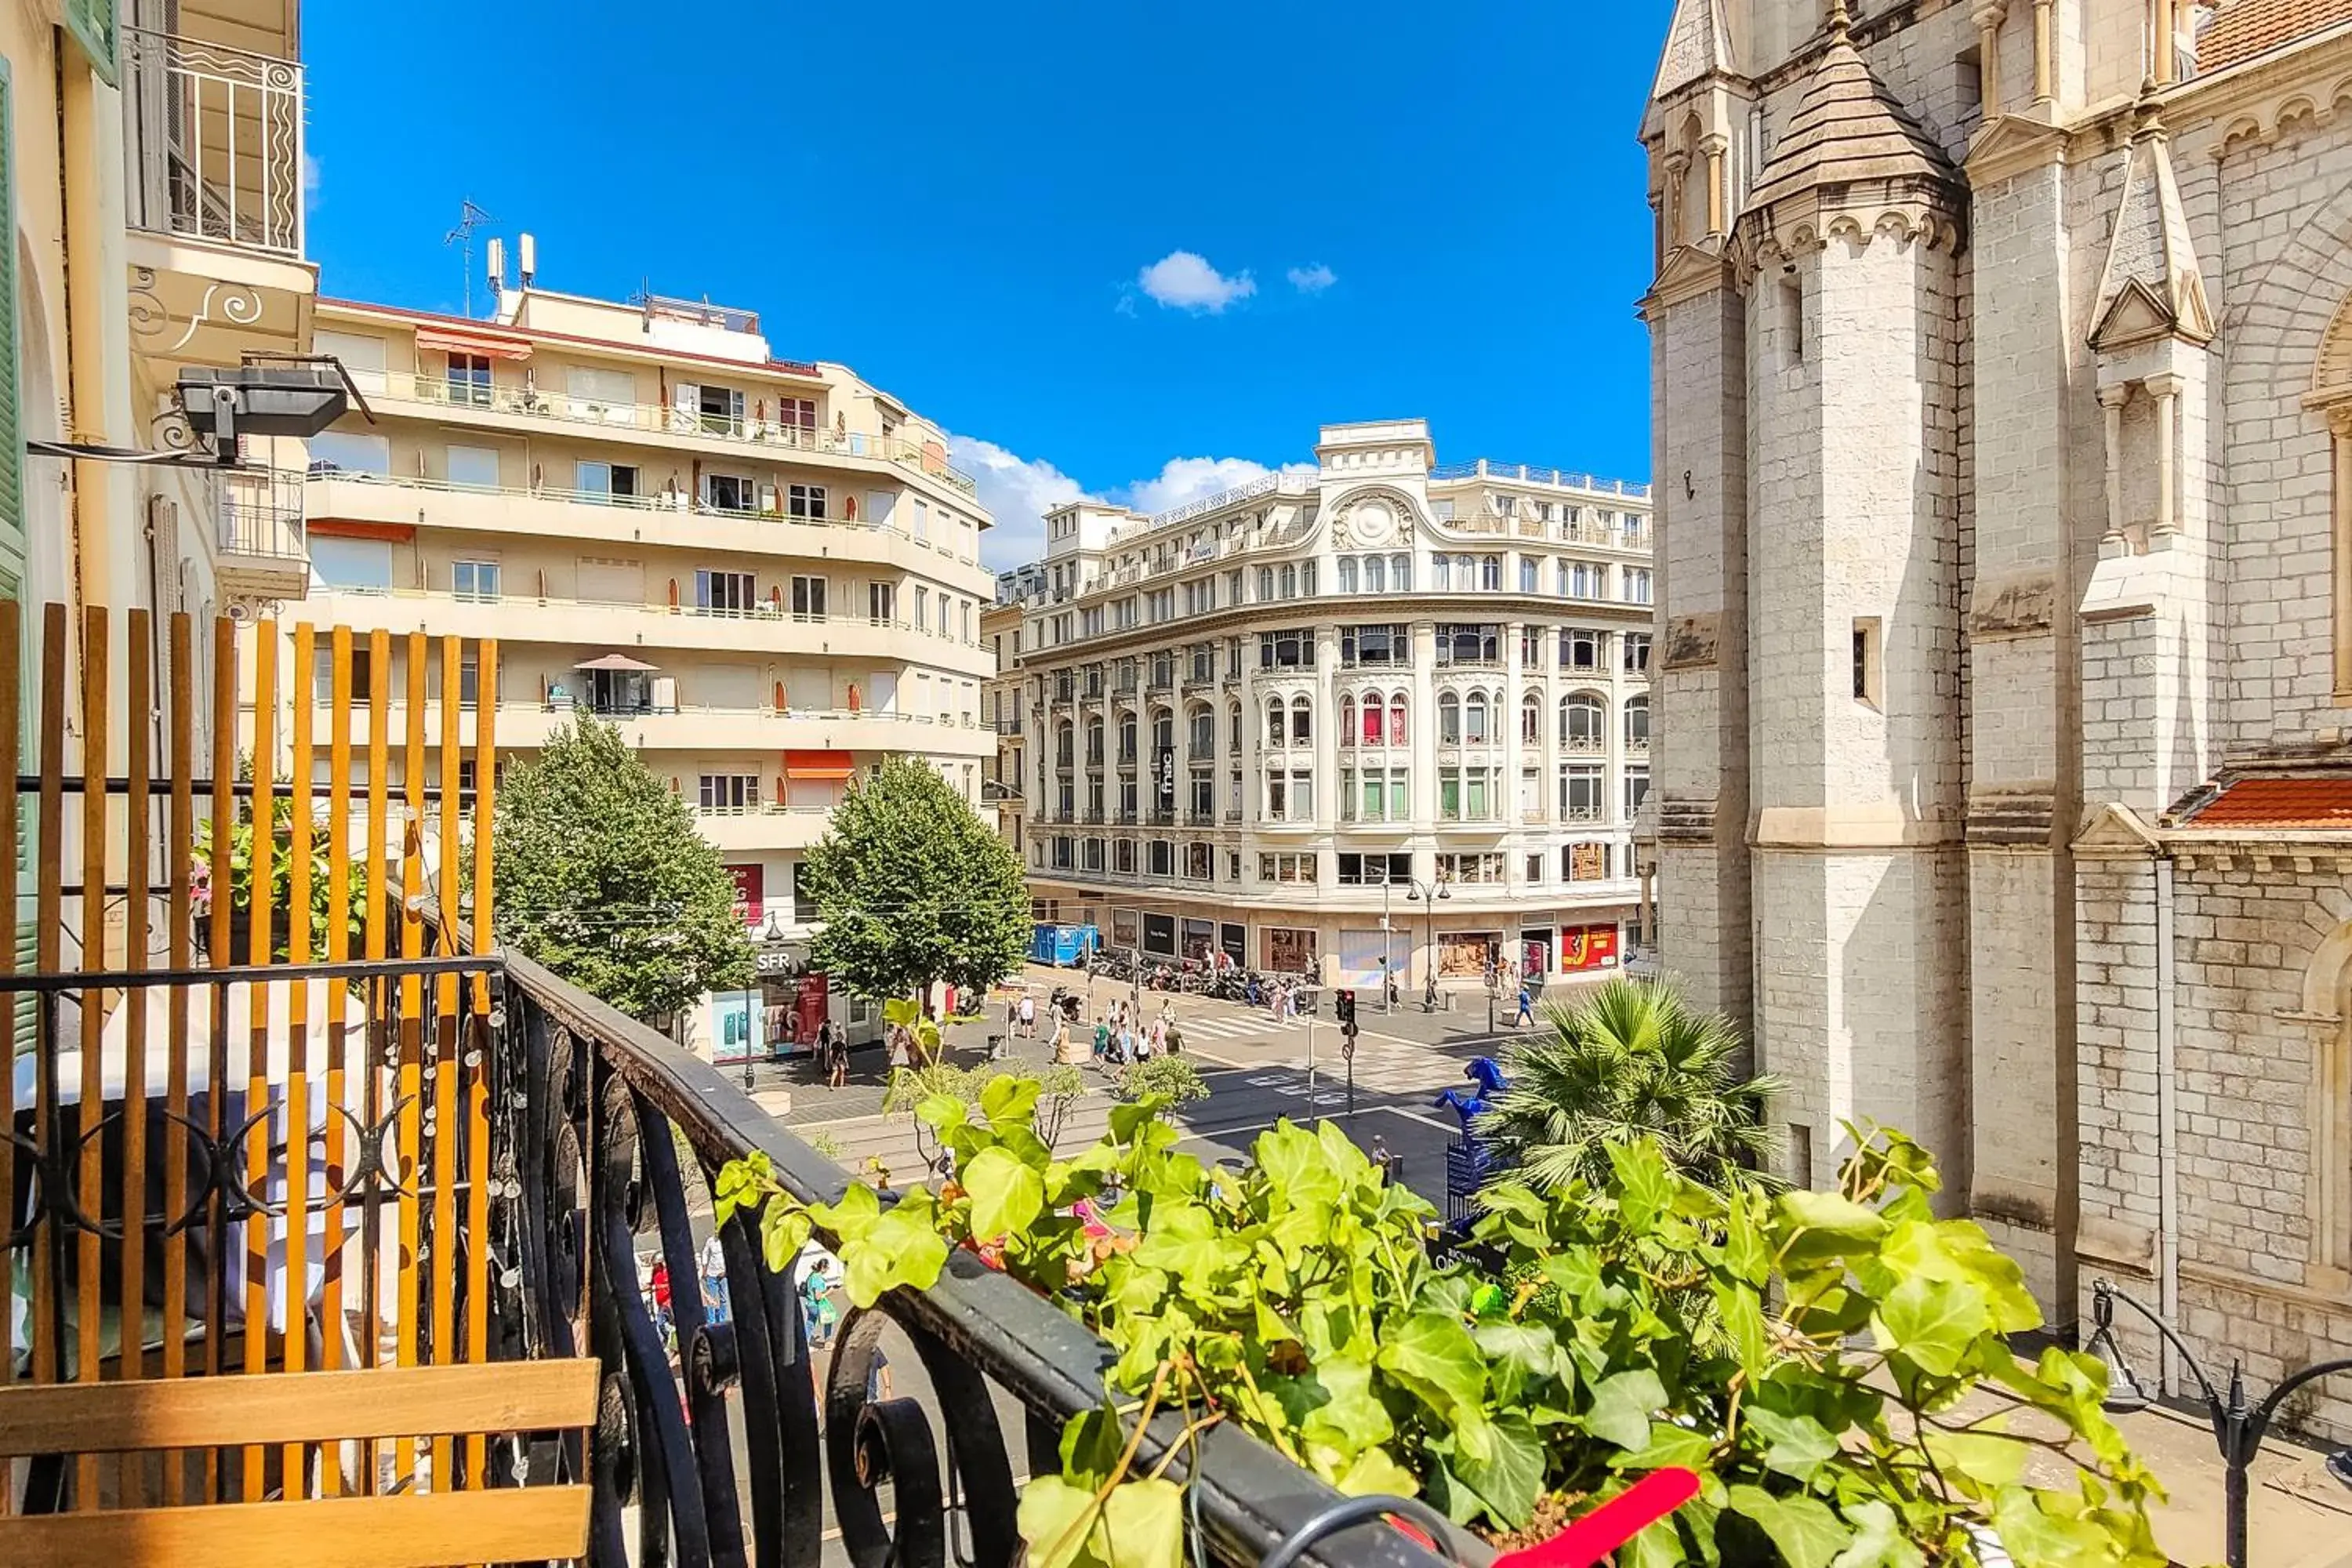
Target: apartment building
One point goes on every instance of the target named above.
(1000, 708)
(763, 570)
(1385, 716)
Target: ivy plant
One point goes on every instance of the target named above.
(1806, 1352)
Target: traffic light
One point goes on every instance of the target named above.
(1345, 1008)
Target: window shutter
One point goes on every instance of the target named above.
(12, 434)
(91, 23)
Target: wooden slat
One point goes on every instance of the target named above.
(412, 1530)
(411, 1303)
(297, 1407)
(48, 943)
(376, 939)
(223, 951)
(478, 1077)
(90, 1261)
(11, 630)
(137, 815)
(339, 951)
(448, 1044)
(179, 857)
(298, 1035)
(259, 949)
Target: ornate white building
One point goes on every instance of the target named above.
(2004, 391)
(1380, 711)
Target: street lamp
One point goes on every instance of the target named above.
(2239, 1429)
(1415, 892)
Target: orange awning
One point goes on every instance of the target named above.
(815, 765)
(471, 343)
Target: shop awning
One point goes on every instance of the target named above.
(455, 342)
(815, 765)
(617, 661)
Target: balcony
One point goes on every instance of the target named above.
(525, 723)
(666, 424)
(680, 521)
(1008, 726)
(214, 139)
(261, 554)
(750, 828)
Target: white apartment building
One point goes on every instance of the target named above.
(1381, 711)
(1000, 708)
(763, 570)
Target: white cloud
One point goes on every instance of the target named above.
(1018, 492)
(1184, 280)
(1312, 280)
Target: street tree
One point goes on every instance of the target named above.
(914, 888)
(602, 878)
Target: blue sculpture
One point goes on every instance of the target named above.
(1469, 1163)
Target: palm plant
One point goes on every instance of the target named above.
(1632, 1059)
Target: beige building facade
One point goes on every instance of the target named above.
(762, 570)
(1377, 717)
(2004, 391)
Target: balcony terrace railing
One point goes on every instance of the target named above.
(659, 418)
(259, 512)
(763, 614)
(213, 138)
(677, 501)
(1531, 474)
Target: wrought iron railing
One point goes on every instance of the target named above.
(213, 136)
(616, 1136)
(260, 513)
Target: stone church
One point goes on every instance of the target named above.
(2002, 386)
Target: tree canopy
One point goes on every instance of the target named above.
(602, 878)
(914, 888)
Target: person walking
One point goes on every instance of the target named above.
(1526, 1006)
(1102, 1040)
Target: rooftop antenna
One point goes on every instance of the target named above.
(469, 218)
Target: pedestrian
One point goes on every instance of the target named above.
(1102, 1040)
(1028, 1013)
(661, 1298)
(1160, 1032)
(877, 1377)
(840, 1055)
(714, 1281)
(1526, 1006)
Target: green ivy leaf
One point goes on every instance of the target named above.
(1142, 1525)
(1989, 1460)
(1795, 1446)
(853, 1216)
(1006, 1195)
(1296, 1167)
(1010, 1102)
(1817, 1226)
(1516, 1354)
(1436, 1358)
(784, 1231)
(1932, 1322)
(902, 1248)
(1669, 1446)
(1374, 1474)
(1510, 1476)
(1742, 1311)
(1746, 1251)
(1051, 1512)
(1804, 1530)
(1878, 1540)
(2039, 1538)
(1183, 1239)
(1349, 1415)
(1622, 1404)
(1643, 1186)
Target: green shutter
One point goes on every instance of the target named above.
(91, 22)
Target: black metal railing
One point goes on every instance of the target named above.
(602, 1110)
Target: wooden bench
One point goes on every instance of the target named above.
(407, 1529)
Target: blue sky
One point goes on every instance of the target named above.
(1132, 251)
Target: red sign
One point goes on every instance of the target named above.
(1583, 948)
(812, 1006)
(750, 883)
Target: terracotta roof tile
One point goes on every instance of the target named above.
(2241, 30)
(2266, 803)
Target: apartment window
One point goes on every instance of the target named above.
(1296, 868)
(1375, 576)
(1637, 724)
(729, 791)
(1469, 644)
(1530, 574)
(1290, 795)
(470, 380)
(475, 581)
(1584, 862)
(474, 466)
(729, 492)
(1583, 723)
(1349, 579)
(1374, 870)
(1373, 795)
(1490, 574)
(1383, 644)
(1286, 650)
(805, 500)
(1290, 582)
(808, 597)
(1531, 718)
(881, 602)
(1265, 583)
(1122, 855)
(1530, 794)
(1449, 719)
(724, 592)
(1092, 854)
(1532, 647)
(1637, 653)
(1637, 789)
(1162, 857)
(1637, 585)
(470, 683)
(1535, 867)
(1579, 649)
(1869, 664)
(1400, 574)
(922, 606)
(796, 414)
(1580, 792)
(600, 482)
(1482, 869)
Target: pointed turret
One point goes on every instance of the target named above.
(1849, 131)
(1698, 45)
(2151, 287)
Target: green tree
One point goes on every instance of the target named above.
(914, 888)
(602, 878)
(1630, 1060)
(1170, 1082)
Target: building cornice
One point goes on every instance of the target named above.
(1339, 609)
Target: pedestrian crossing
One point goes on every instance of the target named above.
(1242, 1027)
